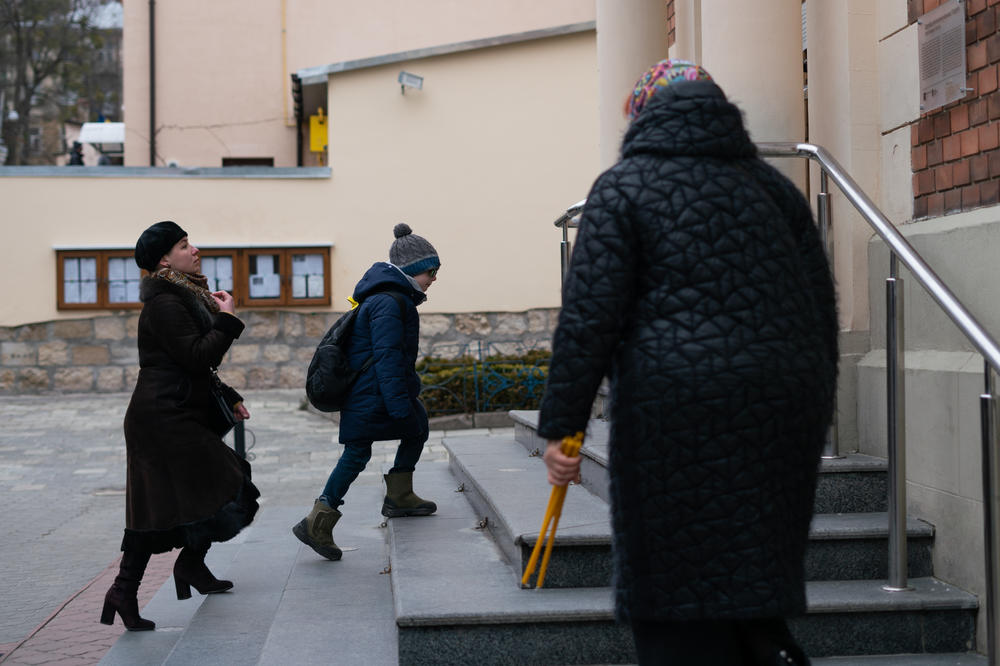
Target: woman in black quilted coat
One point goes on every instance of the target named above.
(699, 285)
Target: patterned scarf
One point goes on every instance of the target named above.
(193, 282)
(659, 76)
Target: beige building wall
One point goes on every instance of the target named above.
(222, 67)
(480, 162)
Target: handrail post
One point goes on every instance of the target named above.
(564, 251)
(991, 510)
(831, 446)
(896, 433)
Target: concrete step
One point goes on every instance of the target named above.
(855, 546)
(949, 659)
(852, 484)
(861, 618)
(442, 592)
(458, 601)
(288, 605)
(594, 454)
(509, 489)
(454, 590)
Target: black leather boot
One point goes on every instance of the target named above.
(190, 571)
(121, 597)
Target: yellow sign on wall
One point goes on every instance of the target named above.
(317, 132)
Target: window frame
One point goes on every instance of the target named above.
(244, 298)
(232, 253)
(103, 295)
(326, 298)
(241, 275)
(285, 298)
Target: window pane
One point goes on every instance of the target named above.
(123, 282)
(80, 280)
(265, 282)
(219, 271)
(307, 276)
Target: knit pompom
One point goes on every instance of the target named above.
(401, 229)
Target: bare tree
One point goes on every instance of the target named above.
(42, 46)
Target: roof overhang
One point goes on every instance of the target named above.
(318, 75)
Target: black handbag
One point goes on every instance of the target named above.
(227, 419)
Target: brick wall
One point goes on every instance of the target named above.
(956, 148)
(100, 353)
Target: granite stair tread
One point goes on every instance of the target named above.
(595, 441)
(283, 594)
(447, 569)
(952, 659)
(515, 486)
(928, 593)
(869, 525)
(598, 432)
(509, 489)
(458, 601)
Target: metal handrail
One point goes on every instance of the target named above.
(981, 340)
(901, 251)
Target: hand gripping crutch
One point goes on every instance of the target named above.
(570, 447)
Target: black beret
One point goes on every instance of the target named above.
(155, 242)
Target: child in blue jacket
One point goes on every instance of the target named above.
(382, 404)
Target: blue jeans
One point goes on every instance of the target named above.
(357, 454)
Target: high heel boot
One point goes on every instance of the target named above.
(190, 571)
(121, 597)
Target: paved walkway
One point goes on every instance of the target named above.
(62, 477)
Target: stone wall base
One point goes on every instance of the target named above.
(100, 354)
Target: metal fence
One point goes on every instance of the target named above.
(482, 377)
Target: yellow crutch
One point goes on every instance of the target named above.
(570, 447)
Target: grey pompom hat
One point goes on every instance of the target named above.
(413, 254)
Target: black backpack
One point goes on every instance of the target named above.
(330, 377)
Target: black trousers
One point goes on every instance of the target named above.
(763, 642)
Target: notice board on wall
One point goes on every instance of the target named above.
(941, 45)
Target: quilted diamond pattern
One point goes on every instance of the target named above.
(699, 286)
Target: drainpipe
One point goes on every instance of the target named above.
(152, 82)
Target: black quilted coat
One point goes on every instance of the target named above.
(699, 286)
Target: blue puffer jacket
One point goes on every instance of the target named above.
(383, 402)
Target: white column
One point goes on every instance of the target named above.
(753, 50)
(843, 118)
(687, 30)
(631, 37)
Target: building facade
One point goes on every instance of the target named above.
(518, 110)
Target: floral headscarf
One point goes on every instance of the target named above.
(659, 76)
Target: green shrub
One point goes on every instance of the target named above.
(497, 383)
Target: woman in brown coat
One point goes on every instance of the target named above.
(185, 487)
